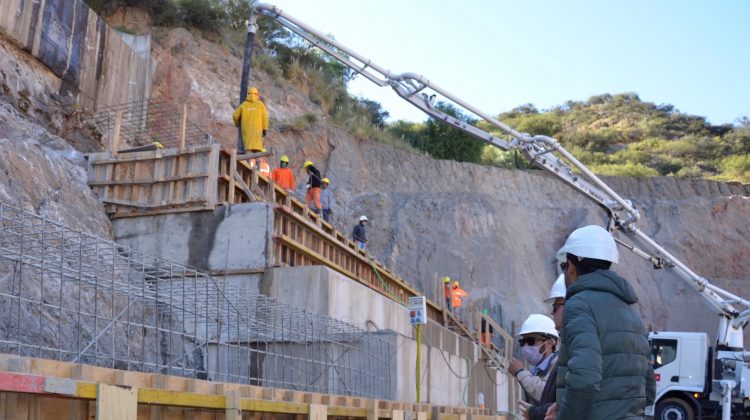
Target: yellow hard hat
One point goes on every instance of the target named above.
(308, 163)
(446, 279)
(253, 90)
(285, 158)
(456, 284)
(326, 180)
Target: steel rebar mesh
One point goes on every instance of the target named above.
(69, 296)
(147, 122)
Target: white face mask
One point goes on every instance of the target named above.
(532, 354)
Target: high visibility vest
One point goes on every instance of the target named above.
(457, 295)
(265, 168)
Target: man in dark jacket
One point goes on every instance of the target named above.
(359, 234)
(314, 184)
(603, 369)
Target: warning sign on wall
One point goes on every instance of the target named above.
(417, 310)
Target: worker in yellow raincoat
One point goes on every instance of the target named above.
(253, 116)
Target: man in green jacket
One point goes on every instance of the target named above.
(603, 369)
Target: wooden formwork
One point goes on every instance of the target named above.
(44, 389)
(155, 182)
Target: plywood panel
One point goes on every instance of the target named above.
(115, 402)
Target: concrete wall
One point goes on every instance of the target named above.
(229, 238)
(452, 373)
(238, 238)
(93, 63)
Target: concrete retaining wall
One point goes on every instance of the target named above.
(452, 373)
(232, 238)
(238, 238)
(93, 63)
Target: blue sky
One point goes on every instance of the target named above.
(500, 54)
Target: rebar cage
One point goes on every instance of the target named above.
(150, 121)
(69, 296)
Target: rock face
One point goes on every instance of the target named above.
(43, 174)
(494, 229)
(497, 230)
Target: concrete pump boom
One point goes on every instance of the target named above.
(539, 150)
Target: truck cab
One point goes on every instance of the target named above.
(682, 373)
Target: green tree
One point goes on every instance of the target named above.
(442, 141)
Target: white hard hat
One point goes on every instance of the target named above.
(590, 242)
(363, 218)
(558, 289)
(540, 324)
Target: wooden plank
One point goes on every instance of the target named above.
(104, 158)
(147, 181)
(373, 410)
(17, 382)
(397, 414)
(318, 412)
(248, 156)
(180, 399)
(115, 402)
(233, 410)
(277, 407)
(115, 144)
(232, 174)
(60, 386)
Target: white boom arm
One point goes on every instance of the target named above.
(540, 151)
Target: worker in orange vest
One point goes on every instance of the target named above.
(447, 290)
(457, 296)
(283, 176)
(263, 167)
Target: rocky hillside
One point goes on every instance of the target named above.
(494, 229)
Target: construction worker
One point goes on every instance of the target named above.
(538, 340)
(486, 330)
(265, 168)
(447, 291)
(312, 198)
(359, 234)
(253, 117)
(326, 200)
(604, 369)
(548, 397)
(283, 175)
(457, 296)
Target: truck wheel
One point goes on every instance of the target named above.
(674, 409)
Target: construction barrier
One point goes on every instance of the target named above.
(43, 389)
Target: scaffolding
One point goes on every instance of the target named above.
(70, 296)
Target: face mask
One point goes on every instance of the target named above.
(532, 354)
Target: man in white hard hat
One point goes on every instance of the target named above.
(538, 339)
(603, 370)
(359, 234)
(547, 399)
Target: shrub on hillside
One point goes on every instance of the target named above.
(633, 170)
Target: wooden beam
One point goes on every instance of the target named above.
(115, 402)
(232, 175)
(234, 406)
(16, 382)
(116, 136)
(247, 156)
(318, 412)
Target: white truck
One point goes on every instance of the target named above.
(694, 380)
